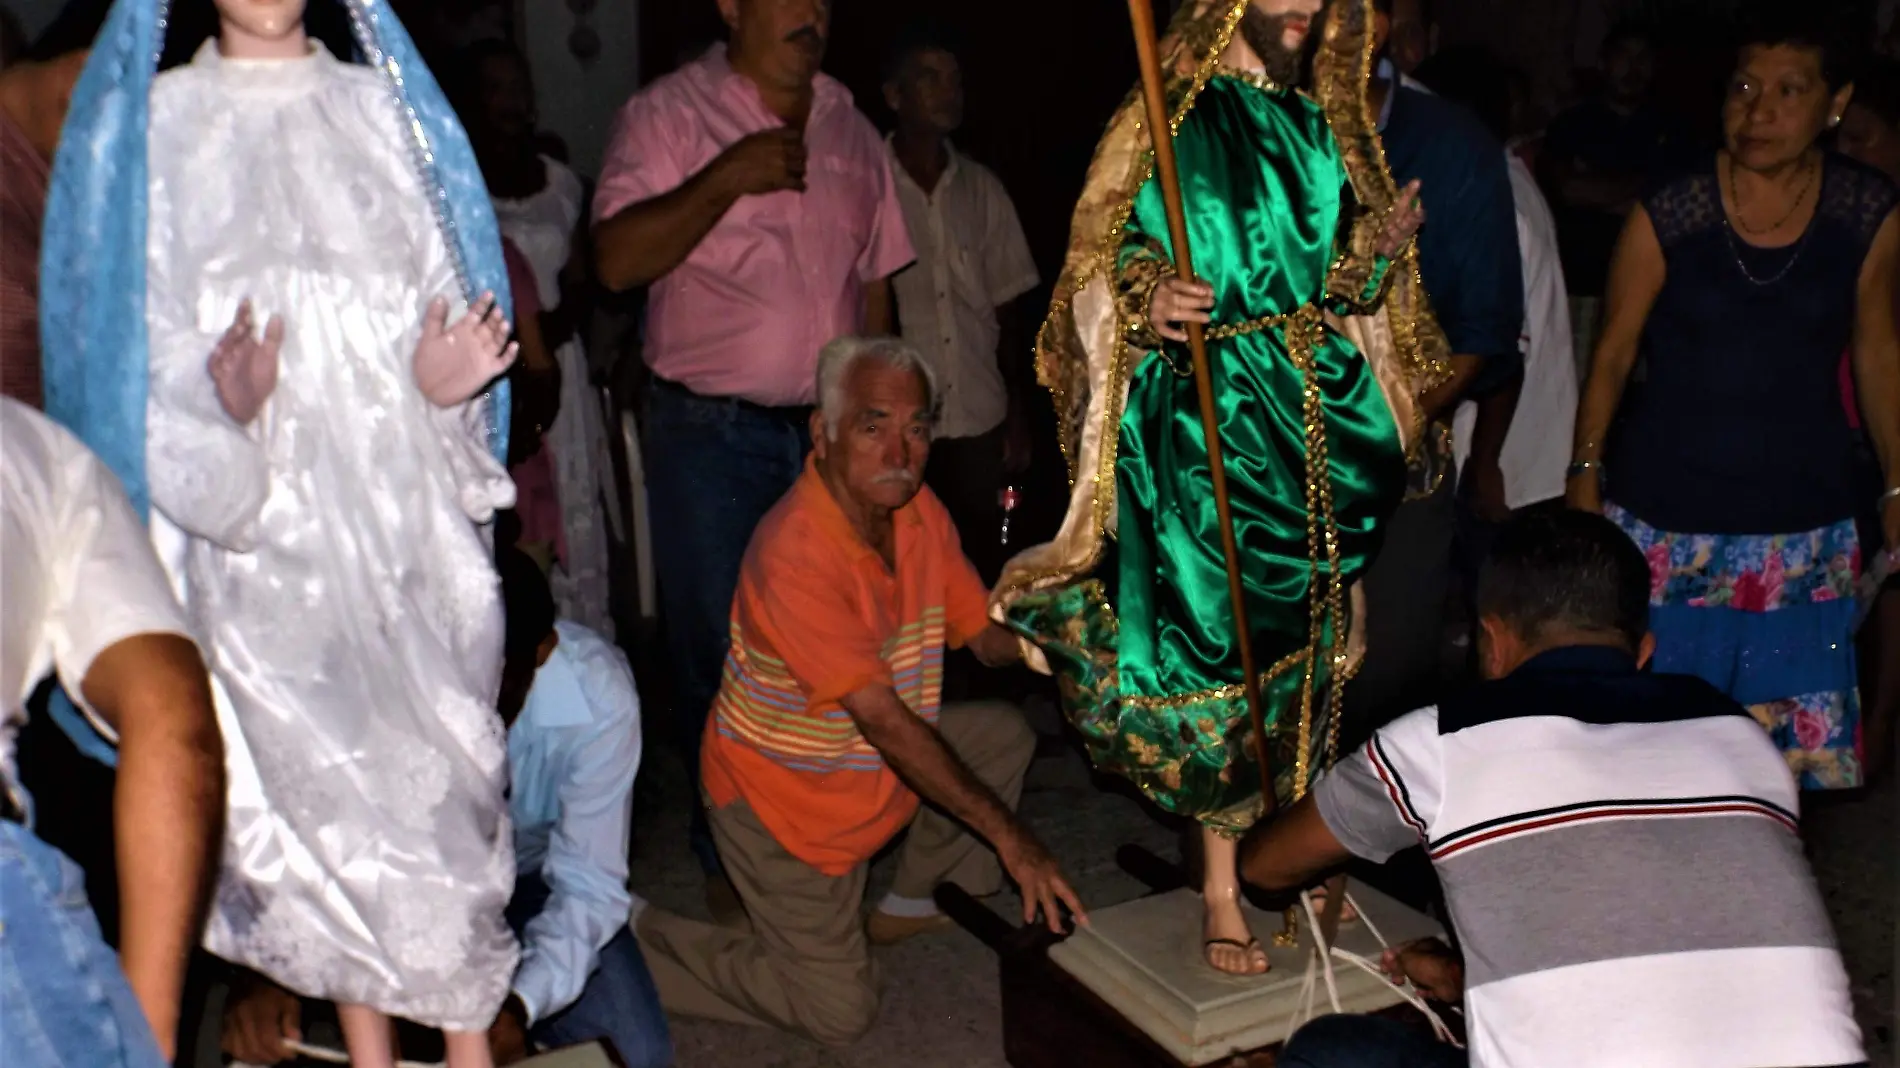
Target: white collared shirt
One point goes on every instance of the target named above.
(972, 258)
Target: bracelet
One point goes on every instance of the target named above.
(1578, 467)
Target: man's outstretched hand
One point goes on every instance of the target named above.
(453, 363)
(1040, 878)
(244, 366)
(1429, 965)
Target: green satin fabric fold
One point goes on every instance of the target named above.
(1263, 186)
(1263, 228)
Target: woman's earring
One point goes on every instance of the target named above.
(1833, 122)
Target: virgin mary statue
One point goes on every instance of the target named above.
(273, 298)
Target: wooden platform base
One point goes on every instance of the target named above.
(1122, 997)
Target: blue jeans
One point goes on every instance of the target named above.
(1366, 1042)
(619, 1002)
(63, 1000)
(714, 468)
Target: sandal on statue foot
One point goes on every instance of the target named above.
(1257, 965)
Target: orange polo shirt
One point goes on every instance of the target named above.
(817, 617)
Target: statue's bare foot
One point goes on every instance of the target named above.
(1227, 943)
(1230, 946)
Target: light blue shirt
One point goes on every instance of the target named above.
(573, 753)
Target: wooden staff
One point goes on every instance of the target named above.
(1161, 133)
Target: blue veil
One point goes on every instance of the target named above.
(93, 252)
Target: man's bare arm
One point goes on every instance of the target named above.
(168, 808)
(1291, 850)
(1448, 393)
(878, 318)
(921, 758)
(645, 241)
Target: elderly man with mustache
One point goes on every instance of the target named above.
(758, 203)
(828, 727)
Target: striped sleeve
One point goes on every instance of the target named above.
(1382, 798)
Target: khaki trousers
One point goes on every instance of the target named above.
(805, 966)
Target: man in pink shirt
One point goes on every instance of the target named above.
(756, 200)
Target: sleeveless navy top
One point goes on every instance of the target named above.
(1738, 426)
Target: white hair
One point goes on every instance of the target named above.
(837, 358)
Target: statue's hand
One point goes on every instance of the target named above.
(244, 367)
(1401, 222)
(1177, 302)
(454, 363)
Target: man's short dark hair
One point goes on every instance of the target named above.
(1565, 569)
(12, 39)
(1627, 31)
(528, 602)
(1469, 75)
(913, 41)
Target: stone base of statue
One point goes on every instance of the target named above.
(1132, 991)
(1144, 959)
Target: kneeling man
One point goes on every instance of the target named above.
(827, 726)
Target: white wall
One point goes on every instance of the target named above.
(578, 101)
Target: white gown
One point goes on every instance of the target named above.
(542, 227)
(330, 552)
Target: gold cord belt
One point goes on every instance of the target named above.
(1306, 315)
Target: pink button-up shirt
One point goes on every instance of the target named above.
(780, 274)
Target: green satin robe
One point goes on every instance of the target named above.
(1146, 654)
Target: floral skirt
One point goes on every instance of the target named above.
(1769, 619)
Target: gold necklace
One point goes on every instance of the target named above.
(1800, 199)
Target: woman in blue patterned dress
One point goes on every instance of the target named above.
(1732, 464)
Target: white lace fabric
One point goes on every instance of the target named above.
(333, 563)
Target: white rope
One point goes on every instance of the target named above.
(1321, 963)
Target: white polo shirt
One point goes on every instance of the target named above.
(77, 572)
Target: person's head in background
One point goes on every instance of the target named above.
(1472, 77)
(1557, 579)
(1629, 66)
(777, 43)
(493, 92)
(36, 83)
(530, 636)
(877, 408)
(1794, 77)
(1870, 127)
(923, 84)
(13, 40)
(1412, 36)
